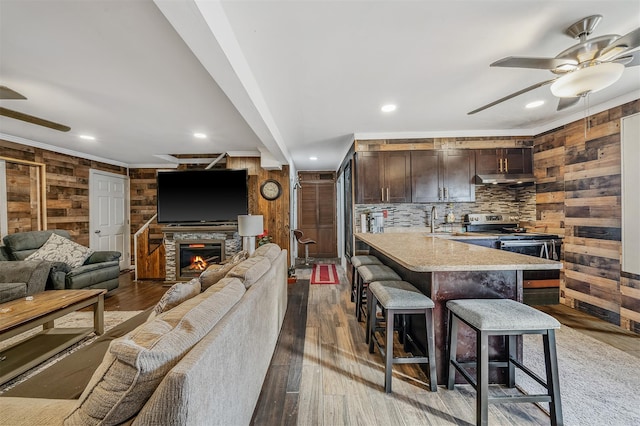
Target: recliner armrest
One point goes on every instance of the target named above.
(103, 256)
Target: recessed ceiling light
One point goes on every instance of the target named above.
(199, 135)
(534, 104)
(313, 158)
(88, 137)
(388, 108)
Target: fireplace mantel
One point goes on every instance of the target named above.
(175, 235)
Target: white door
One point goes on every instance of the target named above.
(109, 214)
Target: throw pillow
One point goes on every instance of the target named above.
(270, 251)
(61, 249)
(136, 363)
(250, 270)
(177, 294)
(213, 274)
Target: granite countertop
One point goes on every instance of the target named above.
(421, 253)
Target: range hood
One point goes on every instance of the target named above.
(506, 179)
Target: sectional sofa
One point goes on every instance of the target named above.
(201, 362)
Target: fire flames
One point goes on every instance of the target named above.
(198, 263)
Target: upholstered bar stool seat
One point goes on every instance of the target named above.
(400, 298)
(503, 317)
(357, 261)
(368, 274)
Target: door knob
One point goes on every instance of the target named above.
(97, 231)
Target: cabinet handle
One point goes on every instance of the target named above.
(382, 194)
(445, 194)
(387, 194)
(439, 193)
(506, 165)
(500, 165)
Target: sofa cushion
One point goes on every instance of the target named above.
(12, 291)
(250, 270)
(22, 244)
(177, 294)
(136, 363)
(61, 249)
(215, 273)
(270, 251)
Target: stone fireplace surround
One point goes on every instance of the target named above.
(176, 234)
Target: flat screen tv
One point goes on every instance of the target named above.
(202, 196)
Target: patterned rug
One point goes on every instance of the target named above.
(72, 320)
(324, 274)
(598, 383)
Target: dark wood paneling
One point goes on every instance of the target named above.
(577, 167)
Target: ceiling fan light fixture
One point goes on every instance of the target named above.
(585, 80)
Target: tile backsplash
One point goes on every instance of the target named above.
(489, 199)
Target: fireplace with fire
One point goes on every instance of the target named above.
(193, 257)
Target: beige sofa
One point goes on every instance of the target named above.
(202, 362)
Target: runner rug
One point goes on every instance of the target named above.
(324, 274)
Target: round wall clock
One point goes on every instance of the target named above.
(270, 189)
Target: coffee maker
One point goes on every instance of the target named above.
(376, 222)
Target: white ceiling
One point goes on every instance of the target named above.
(289, 79)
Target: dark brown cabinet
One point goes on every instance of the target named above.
(442, 176)
(383, 177)
(504, 161)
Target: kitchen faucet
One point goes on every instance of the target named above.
(434, 216)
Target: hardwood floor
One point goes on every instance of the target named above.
(322, 373)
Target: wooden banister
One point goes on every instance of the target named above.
(149, 264)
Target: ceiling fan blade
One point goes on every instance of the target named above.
(513, 95)
(33, 120)
(6, 93)
(625, 43)
(564, 103)
(629, 60)
(537, 63)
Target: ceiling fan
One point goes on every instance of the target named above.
(7, 93)
(587, 67)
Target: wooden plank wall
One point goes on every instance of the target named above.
(579, 195)
(67, 191)
(276, 213)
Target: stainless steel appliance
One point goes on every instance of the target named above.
(513, 238)
(504, 233)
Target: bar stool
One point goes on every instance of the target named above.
(503, 317)
(368, 274)
(357, 261)
(400, 298)
(305, 242)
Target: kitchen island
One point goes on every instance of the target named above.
(444, 269)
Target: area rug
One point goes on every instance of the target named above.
(72, 320)
(324, 274)
(599, 384)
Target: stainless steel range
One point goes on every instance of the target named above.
(513, 238)
(503, 232)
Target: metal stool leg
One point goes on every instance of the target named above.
(306, 254)
(431, 350)
(388, 352)
(553, 383)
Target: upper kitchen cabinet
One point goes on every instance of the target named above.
(383, 177)
(443, 176)
(504, 160)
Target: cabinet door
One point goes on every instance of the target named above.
(369, 176)
(397, 177)
(517, 160)
(488, 161)
(459, 173)
(425, 186)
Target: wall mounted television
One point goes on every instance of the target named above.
(202, 196)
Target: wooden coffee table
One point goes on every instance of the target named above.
(18, 316)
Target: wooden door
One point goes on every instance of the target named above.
(459, 173)
(108, 214)
(317, 213)
(517, 160)
(369, 177)
(425, 186)
(397, 177)
(488, 161)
